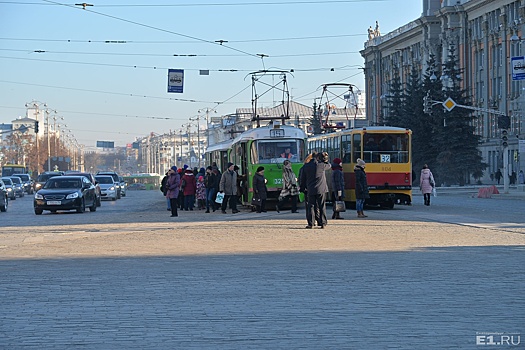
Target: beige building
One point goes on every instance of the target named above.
(486, 34)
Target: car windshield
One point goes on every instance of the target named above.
(16, 180)
(7, 181)
(45, 177)
(63, 183)
(24, 177)
(104, 179)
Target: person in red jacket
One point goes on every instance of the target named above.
(188, 187)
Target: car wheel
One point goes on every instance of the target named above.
(114, 198)
(38, 211)
(82, 207)
(94, 206)
(3, 208)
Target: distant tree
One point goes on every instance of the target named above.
(396, 101)
(315, 120)
(458, 156)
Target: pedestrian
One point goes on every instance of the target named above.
(426, 183)
(240, 184)
(259, 189)
(201, 193)
(313, 181)
(361, 187)
(189, 187)
(338, 185)
(180, 200)
(499, 175)
(164, 188)
(521, 177)
(290, 189)
(211, 182)
(173, 189)
(228, 186)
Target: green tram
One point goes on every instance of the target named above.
(218, 154)
(267, 146)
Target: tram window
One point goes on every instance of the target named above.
(346, 148)
(276, 151)
(356, 147)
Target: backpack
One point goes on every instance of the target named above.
(164, 185)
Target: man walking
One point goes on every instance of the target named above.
(313, 181)
(228, 185)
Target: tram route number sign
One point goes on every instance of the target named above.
(175, 80)
(276, 133)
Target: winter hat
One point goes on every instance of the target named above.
(338, 161)
(261, 168)
(361, 162)
(174, 168)
(202, 170)
(185, 166)
(229, 164)
(179, 171)
(209, 167)
(188, 171)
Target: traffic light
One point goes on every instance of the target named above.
(36, 127)
(503, 122)
(504, 138)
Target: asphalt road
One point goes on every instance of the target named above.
(128, 276)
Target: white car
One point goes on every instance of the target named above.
(108, 187)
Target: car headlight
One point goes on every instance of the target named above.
(72, 195)
(9, 189)
(38, 196)
(112, 188)
(38, 186)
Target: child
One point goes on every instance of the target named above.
(201, 193)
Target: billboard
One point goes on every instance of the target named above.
(106, 144)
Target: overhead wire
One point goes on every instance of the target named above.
(151, 27)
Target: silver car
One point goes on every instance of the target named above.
(10, 188)
(108, 187)
(18, 186)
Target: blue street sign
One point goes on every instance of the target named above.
(518, 68)
(175, 80)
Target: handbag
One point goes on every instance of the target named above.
(256, 201)
(340, 206)
(219, 198)
(434, 192)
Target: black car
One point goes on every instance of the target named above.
(66, 193)
(43, 177)
(4, 200)
(93, 181)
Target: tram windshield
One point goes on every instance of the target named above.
(277, 151)
(386, 148)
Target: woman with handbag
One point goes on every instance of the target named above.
(290, 189)
(338, 187)
(259, 190)
(426, 183)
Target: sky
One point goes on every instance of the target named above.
(104, 69)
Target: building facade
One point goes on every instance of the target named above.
(485, 34)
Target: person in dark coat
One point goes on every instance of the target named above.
(259, 189)
(173, 189)
(338, 185)
(313, 181)
(228, 186)
(361, 187)
(164, 188)
(190, 187)
(212, 184)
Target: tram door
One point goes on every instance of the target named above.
(243, 171)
